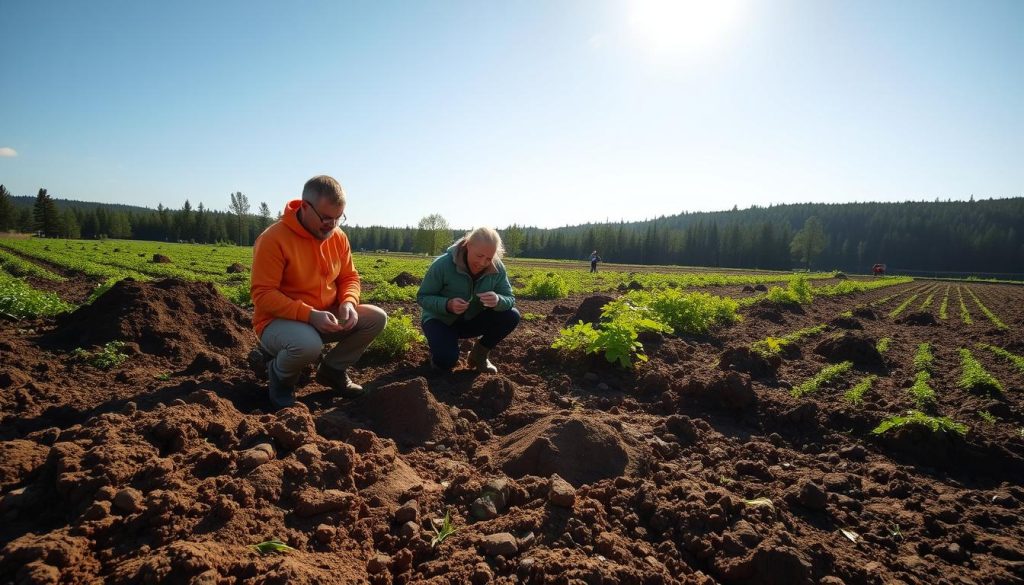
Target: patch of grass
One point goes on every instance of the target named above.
(826, 375)
(991, 316)
(944, 307)
(397, 337)
(883, 344)
(927, 302)
(988, 417)
(856, 394)
(528, 316)
(19, 300)
(915, 417)
(107, 357)
(974, 377)
(442, 532)
(385, 291)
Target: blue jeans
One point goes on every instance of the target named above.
(490, 326)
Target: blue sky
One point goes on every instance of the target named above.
(541, 112)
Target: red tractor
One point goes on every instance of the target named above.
(878, 270)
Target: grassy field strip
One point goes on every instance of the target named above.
(1016, 360)
(921, 391)
(17, 266)
(827, 375)
(965, 315)
(991, 316)
(18, 300)
(944, 307)
(974, 377)
(856, 394)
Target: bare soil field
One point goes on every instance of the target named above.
(698, 467)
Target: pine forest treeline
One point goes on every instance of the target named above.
(957, 236)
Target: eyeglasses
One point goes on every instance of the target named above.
(330, 220)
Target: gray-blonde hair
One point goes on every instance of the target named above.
(486, 235)
(324, 187)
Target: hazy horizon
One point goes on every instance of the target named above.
(539, 113)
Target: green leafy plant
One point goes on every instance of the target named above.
(944, 307)
(921, 391)
(797, 292)
(18, 300)
(974, 377)
(271, 547)
(616, 336)
(107, 357)
(442, 532)
(163, 376)
(916, 417)
(1016, 360)
(883, 344)
(826, 375)
(101, 289)
(895, 312)
(771, 346)
(923, 358)
(528, 316)
(965, 315)
(856, 394)
(549, 286)
(988, 417)
(690, 313)
(397, 337)
(386, 291)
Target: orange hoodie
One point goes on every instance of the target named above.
(294, 273)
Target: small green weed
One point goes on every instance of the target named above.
(442, 532)
(923, 358)
(528, 316)
(271, 547)
(916, 417)
(921, 391)
(988, 417)
(895, 312)
(104, 358)
(770, 346)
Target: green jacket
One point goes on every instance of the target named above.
(448, 278)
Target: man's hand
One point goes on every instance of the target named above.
(347, 316)
(325, 322)
(457, 306)
(489, 298)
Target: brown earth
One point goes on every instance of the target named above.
(558, 469)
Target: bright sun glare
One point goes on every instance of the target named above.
(681, 26)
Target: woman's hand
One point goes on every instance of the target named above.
(488, 299)
(457, 306)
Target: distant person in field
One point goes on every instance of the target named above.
(305, 292)
(594, 259)
(466, 294)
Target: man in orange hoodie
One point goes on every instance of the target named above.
(305, 292)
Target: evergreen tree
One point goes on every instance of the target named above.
(8, 214)
(240, 207)
(46, 217)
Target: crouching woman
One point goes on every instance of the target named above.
(466, 294)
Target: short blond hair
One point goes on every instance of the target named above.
(324, 187)
(486, 235)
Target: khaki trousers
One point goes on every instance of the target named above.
(295, 344)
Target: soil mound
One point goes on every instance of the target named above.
(768, 314)
(408, 413)
(918, 318)
(161, 259)
(405, 279)
(846, 323)
(748, 288)
(855, 347)
(744, 359)
(727, 389)
(170, 318)
(761, 288)
(580, 449)
(865, 313)
(589, 310)
(236, 268)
